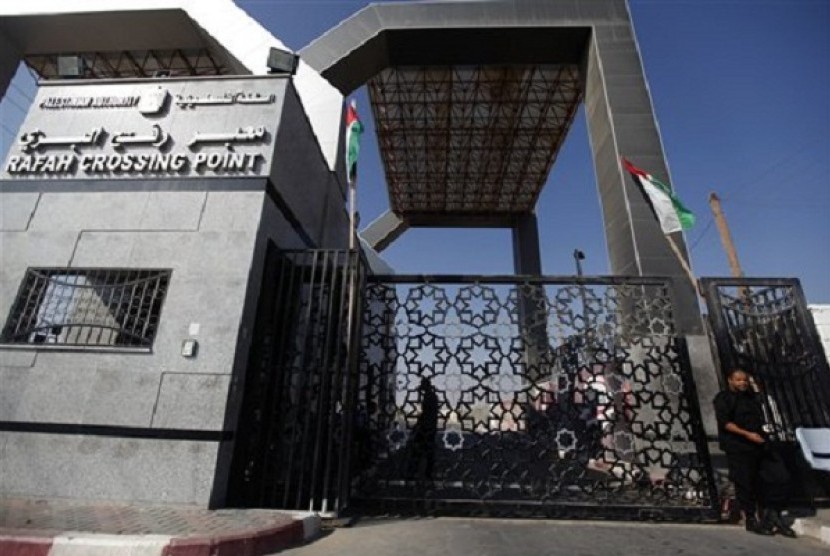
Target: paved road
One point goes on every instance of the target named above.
(496, 537)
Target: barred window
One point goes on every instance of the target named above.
(87, 307)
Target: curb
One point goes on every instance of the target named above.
(25, 546)
(258, 543)
(247, 543)
(809, 528)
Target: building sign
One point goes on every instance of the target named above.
(210, 128)
(56, 103)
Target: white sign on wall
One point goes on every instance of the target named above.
(197, 128)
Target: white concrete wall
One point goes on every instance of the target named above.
(821, 315)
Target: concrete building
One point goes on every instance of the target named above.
(189, 176)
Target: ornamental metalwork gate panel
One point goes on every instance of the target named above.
(511, 396)
(293, 444)
(763, 325)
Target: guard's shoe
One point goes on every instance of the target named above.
(753, 526)
(785, 531)
(785, 526)
(775, 521)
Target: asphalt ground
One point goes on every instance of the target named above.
(495, 537)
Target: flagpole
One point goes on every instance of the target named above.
(670, 213)
(682, 260)
(352, 212)
(353, 266)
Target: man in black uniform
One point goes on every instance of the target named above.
(423, 435)
(740, 432)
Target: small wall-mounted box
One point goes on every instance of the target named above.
(190, 347)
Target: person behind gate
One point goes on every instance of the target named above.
(423, 435)
(740, 431)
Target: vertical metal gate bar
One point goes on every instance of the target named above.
(720, 327)
(326, 401)
(319, 346)
(356, 284)
(283, 406)
(808, 405)
(301, 390)
(338, 373)
(306, 371)
(314, 371)
(257, 388)
(275, 371)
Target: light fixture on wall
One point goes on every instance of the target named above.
(71, 67)
(282, 61)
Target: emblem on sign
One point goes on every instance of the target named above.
(154, 102)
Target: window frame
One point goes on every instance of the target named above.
(41, 296)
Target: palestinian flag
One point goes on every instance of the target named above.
(673, 216)
(354, 129)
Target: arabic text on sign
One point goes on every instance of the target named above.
(57, 103)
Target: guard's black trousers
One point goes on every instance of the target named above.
(745, 473)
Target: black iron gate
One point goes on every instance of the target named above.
(293, 446)
(513, 396)
(498, 395)
(763, 325)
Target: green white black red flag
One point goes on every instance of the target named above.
(354, 129)
(672, 214)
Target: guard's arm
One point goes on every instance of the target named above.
(751, 436)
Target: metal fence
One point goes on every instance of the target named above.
(293, 442)
(763, 326)
(500, 395)
(503, 395)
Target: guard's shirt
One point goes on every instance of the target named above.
(743, 409)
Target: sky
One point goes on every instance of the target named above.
(741, 93)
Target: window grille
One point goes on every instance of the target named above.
(87, 307)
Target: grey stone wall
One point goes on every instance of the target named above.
(207, 239)
(152, 426)
(99, 467)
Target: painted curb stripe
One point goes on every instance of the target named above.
(262, 542)
(252, 543)
(25, 546)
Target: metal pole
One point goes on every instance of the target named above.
(726, 241)
(352, 213)
(579, 256)
(682, 260)
(725, 236)
(352, 269)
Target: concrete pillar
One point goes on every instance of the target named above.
(526, 255)
(527, 261)
(621, 123)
